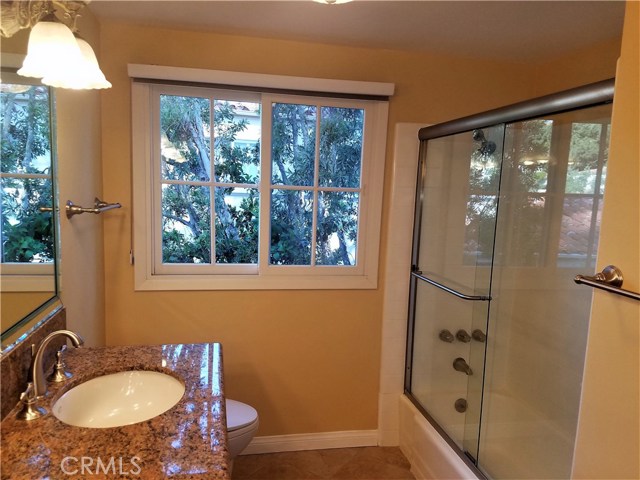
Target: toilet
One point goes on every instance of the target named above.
(242, 424)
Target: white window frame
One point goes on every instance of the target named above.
(261, 276)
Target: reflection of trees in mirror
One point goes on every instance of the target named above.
(526, 171)
(186, 166)
(484, 179)
(27, 233)
(529, 160)
(584, 156)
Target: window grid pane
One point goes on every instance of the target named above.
(27, 232)
(185, 147)
(236, 141)
(330, 164)
(193, 195)
(291, 227)
(236, 225)
(25, 164)
(25, 115)
(293, 144)
(341, 132)
(186, 224)
(337, 228)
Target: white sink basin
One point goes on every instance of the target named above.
(118, 399)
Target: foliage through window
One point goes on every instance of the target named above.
(299, 188)
(190, 180)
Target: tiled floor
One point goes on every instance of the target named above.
(366, 463)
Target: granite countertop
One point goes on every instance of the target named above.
(186, 442)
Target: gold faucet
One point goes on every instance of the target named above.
(37, 385)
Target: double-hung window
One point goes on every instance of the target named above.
(255, 189)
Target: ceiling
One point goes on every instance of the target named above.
(507, 30)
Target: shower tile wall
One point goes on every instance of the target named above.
(396, 282)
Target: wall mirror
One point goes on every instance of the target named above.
(28, 228)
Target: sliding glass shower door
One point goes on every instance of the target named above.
(506, 216)
(551, 196)
(451, 279)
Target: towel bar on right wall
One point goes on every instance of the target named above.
(610, 279)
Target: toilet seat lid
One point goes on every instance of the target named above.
(239, 415)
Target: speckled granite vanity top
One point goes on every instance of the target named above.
(186, 442)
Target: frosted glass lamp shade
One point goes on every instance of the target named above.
(82, 74)
(52, 47)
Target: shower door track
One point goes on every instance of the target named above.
(587, 95)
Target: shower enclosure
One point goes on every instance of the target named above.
(507, 213)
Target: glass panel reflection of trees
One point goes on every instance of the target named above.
(552, 186)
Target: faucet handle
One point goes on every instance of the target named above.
(59, 374)
(479, 335)
(28, 398)
(446, 336)
(463, 336)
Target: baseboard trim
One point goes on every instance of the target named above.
(312, 441)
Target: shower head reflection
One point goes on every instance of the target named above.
(487, 147)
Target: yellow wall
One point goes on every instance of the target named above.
(589, 65)
(17, 305)
(608, 444)
(80, 174)
(307, 360)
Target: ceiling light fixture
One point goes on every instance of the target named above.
(54, 54)
(82, 73)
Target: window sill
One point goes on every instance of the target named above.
(254, 282)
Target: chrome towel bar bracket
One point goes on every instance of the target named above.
(99, 207)
(610, 279)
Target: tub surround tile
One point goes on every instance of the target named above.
(186, 442)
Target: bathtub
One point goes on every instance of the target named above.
(430, 455)
(516, 442)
